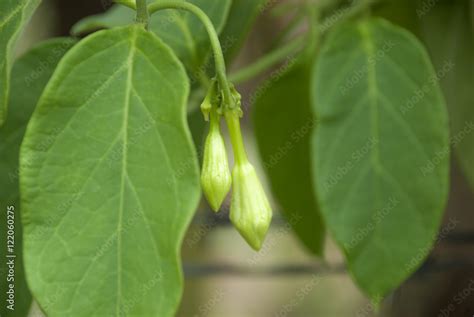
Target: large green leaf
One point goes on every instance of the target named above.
(381, 150)
(109, 179)
(283, 124)
(30, 74)
(13, 16)
(242, 15)
(181, 30)
(449, 35)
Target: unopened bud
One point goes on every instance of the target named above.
(250, 211)
(215, 176)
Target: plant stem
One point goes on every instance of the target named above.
(214, 39)
(267, 61)
(233, 125)
(142, 12)
(314, 32)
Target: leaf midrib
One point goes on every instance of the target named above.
(374, 100)
(369, 48)
(126, 112)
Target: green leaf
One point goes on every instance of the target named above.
(14, 14)
(198, 127)
(283, 123)
(242, 16)
(30, 74)
(381, 150)
(181, 30)
(117, 15)
(109, 179)
(449, 36)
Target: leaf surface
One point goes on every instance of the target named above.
(381, 150)
(14, 15)
(283, 124)
(109, 179)
(25, 78)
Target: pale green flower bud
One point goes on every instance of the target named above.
(250, 211)
(215, 176)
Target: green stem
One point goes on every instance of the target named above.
(314, 31)
(267, 61)
(214, 39)
(214, 121)
(311, 42)
(233, 124)
(142, 12)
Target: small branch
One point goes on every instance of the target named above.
(267, 61)
(214, 39)
(311, 41)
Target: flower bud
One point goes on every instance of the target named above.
(215, 176)
(250, 211)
